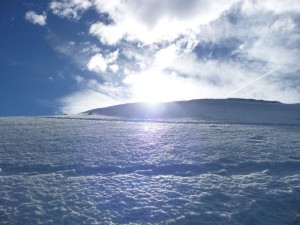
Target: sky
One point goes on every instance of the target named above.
(70, 56)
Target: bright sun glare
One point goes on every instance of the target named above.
(153, 89)
(157, 87)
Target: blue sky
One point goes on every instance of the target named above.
(70, 56)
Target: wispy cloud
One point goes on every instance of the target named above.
(34, 18)
(70, 9)
(90, 95)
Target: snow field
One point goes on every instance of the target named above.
(83, 171)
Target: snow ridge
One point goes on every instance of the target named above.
(242, 111)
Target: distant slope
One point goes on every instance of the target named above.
(222, 110)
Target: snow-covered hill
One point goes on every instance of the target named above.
(217, 110)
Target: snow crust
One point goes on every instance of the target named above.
(107, 170)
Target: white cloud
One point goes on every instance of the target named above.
(112, 57)
(165, 57)
(272, 5)
(97, 64)
(71, 9)
(34, 18)
(154, 21)
(100, 63)
(107, 34)
(114, 68)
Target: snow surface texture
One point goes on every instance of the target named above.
(103, 170)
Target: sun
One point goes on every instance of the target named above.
(152, 89)
(155, 87)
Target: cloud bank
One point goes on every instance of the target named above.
(175, 50)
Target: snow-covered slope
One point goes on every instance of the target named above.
(221, 110)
